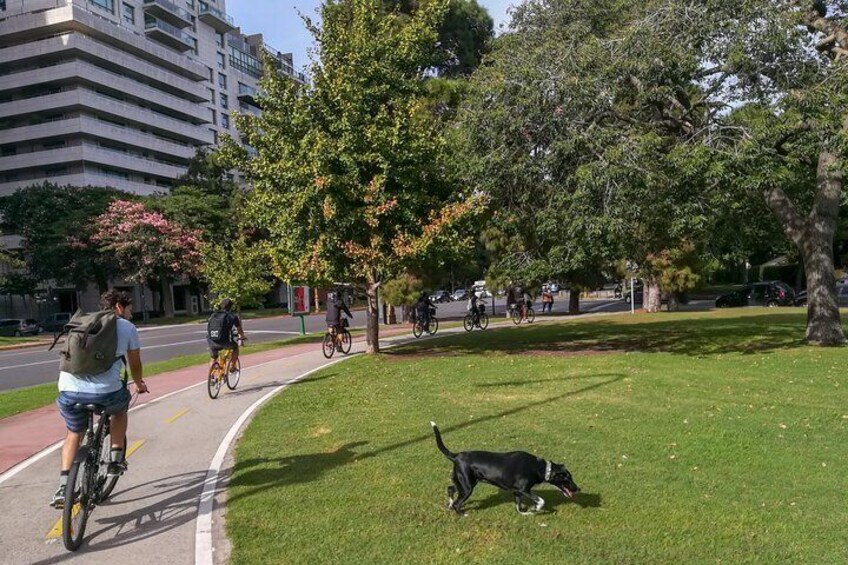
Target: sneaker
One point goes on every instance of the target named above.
(58, 501)
(116, 469)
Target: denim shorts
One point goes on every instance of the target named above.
(77, 420)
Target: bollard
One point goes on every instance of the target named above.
(302, 324)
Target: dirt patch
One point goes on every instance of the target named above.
(320, 431)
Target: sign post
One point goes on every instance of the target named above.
(299, 304)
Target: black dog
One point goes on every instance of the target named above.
(516, 471)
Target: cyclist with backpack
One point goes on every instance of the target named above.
(90, 373)
(335, 306)
(219, 332)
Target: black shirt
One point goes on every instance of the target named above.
(334, 311)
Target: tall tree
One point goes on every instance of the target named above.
(351, 176)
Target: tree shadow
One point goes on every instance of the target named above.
(173, 504)
(745, 334)
(553, 500)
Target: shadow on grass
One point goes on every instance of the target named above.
(693, 337)
(306, 468)
(553, 499)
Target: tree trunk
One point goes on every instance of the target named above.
(573, 301)
(167, 299)
(673, 304)
(651, 296)
(392, 315)
(813, 236)
(372, 331)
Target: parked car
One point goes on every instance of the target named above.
(18, 327)
(460, 294)
(55, 322)
(440, 296)
(482, 293)
(766, 293)
(841, 296)
(553, 287)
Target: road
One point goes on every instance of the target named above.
(28, 367)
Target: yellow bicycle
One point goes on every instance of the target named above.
(223, 370)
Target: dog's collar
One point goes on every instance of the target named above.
(547, 471)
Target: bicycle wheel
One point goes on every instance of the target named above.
(213, 383)
(234, 375)
(417, 329)
(516, 316)
(77, 501)
(531, 315)
(468, 322)
(108, 484)
(347, 341)
(329, 345)
(484, 321)
(434, 326)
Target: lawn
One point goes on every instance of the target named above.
(5, 341)
(696, 438)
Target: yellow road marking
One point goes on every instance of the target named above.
(56, 530)
(177, 416)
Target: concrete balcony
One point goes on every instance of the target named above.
(90, 127)
(103, 105)
(221, 22)
(165, 33)
(81, 72)
(87, 48)
(90, 154)
(169, 12)
(51, 22)
(85, 179)
(248, 94)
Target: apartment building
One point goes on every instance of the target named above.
(120, 93)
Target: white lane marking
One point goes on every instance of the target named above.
(143, 348)
(55, 361)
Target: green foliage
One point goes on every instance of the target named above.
(675, 270)
(402, 291)
(238, 270)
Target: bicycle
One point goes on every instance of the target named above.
(422, 326)
(524, 312)
(88, 483)
(477, 319)
(341, 340)
(218, 376)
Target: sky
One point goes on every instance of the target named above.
(282, 28)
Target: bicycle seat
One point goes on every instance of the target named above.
(96, 408)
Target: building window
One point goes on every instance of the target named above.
(214, 116)
(214, 136)
(219, 37)
(222, 80)
(211, 74)
(222, 64)
(212, 95)
(128, 13)
(225, 101)
(55, 171)
(108, 5)
(8, 151)
(114, 174)
(55, 144)
(225, 121)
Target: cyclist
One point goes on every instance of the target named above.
(335, 307)
(106, 389)
(219, 332)
(422, 309)
(474, 308)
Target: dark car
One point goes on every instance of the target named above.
(841, 296)
(440, 296)
(18, 327)
(460, 294)
(55, 322)
(766, 293)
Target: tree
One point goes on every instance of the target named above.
(148, 248)
(238, 270)
(55, 223)
(351, 176)
(402, 291)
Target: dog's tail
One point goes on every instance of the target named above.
(441, 444)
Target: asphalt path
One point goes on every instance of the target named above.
(27, 367)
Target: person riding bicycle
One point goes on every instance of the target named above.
(335, 306)
(423, 309)
(219, 332)
(474, 306)
(105, 388)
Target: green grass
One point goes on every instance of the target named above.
(179, 320)
(16, 340)
(696, 439)
(24, 399)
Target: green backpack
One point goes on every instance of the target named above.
(91, 345)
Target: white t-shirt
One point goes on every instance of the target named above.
(108, 381)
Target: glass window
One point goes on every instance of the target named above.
(225, 121)
(214, 116)
(128, 13)
(212, 95)
(222, 61)
(225, 101)
(214, 136)
(108, 5)
(222, 80)
(219, 37)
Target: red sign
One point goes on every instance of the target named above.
(301, 299)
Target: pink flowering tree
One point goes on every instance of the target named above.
(147, 248)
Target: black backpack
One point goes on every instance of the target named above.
(220, 327)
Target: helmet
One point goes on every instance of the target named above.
(331, 296)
